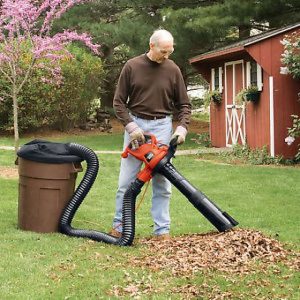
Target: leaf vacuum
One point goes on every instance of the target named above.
(157, 159)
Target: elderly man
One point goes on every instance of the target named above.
(149, 87)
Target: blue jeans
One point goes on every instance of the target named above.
(161, 187)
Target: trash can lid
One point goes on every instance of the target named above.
(47, 152)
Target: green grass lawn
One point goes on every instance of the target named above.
(97, 142)
(53, 266)
(101, 141)
(7, 158)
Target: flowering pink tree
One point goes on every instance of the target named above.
(26, 44)
(290, 58)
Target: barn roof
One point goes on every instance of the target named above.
(239, 46)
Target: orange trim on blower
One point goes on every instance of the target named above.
(150, 153)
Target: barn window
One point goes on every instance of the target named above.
(216, 79)
(254, 75)
(217, 82)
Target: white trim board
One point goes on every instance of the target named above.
(272, 130)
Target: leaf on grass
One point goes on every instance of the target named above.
(136, 286)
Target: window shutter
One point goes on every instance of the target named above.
(259, 78)
(220, 79)
(248, 74)
(212, 79)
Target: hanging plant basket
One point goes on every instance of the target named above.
(213, 96)
(216, 98)
(252, 96)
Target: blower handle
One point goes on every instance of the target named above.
(172, 147)
(150, 139)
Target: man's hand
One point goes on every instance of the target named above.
(136, 135)
(180, 133)
(137, 138)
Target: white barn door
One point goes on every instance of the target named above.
(235, 113)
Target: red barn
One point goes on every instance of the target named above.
(253, 61)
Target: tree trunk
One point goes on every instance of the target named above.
(16, 125)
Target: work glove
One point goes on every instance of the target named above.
(180, 133)
(136, 135)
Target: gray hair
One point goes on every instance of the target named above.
(159, 35)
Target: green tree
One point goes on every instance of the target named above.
(278, 13)
(123, 27)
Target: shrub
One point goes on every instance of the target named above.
(291, 55)
(44, 104)
(197, 102)
(253, 156)
(203, 139)
(291, 61)
(294, 132)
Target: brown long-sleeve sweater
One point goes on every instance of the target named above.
(150, 89)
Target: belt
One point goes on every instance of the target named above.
(148, 117)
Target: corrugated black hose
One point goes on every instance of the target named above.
(128, 218)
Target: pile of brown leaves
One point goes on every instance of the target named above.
(235, 252)
(231, 252)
